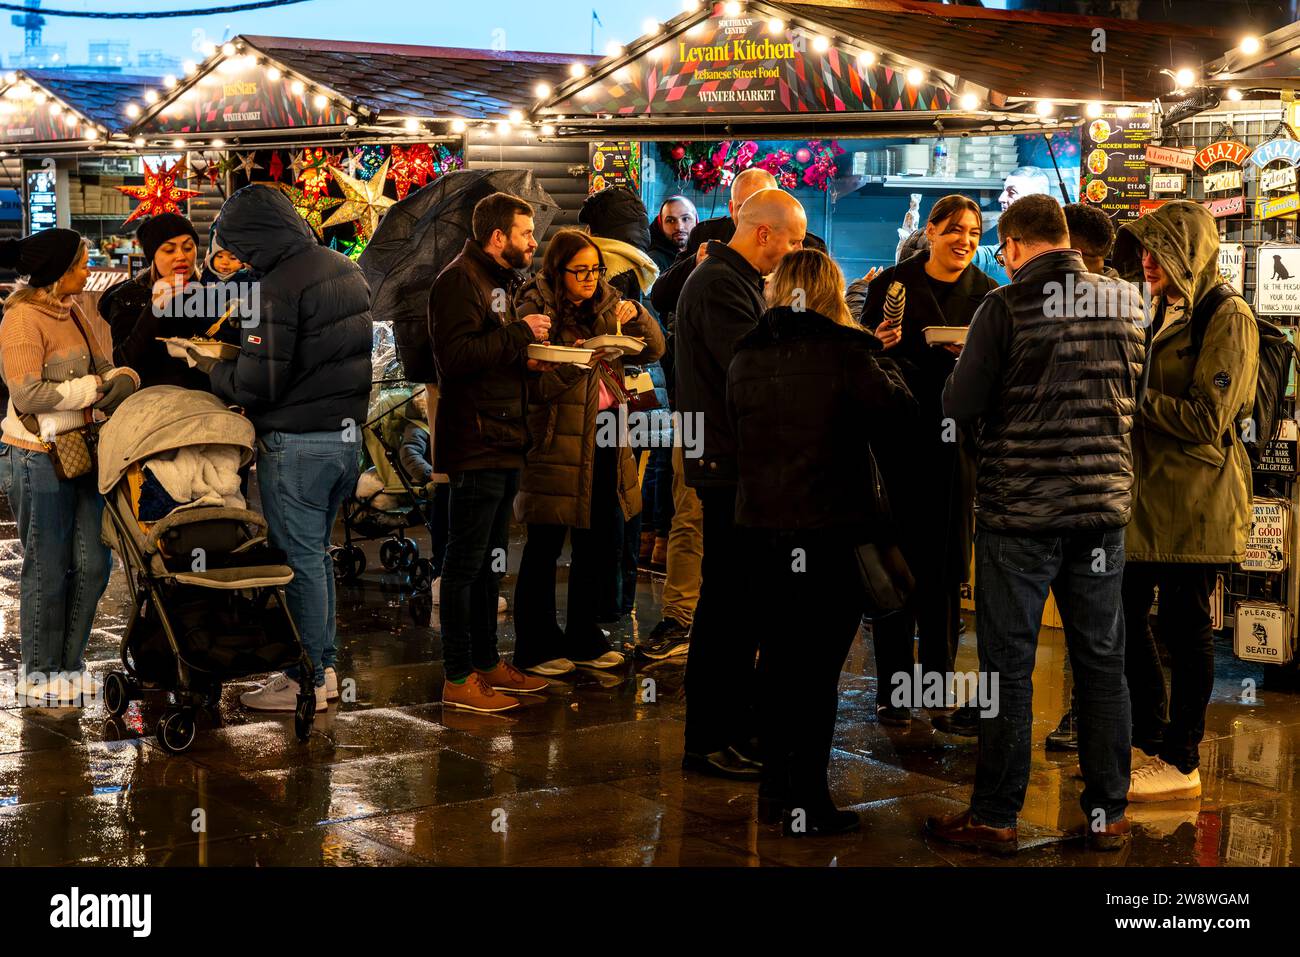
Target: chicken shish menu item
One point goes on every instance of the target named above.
(1115, 167)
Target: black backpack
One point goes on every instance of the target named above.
(1276, 353)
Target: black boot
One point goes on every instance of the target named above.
(1066, 735)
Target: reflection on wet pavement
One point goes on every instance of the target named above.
(587, 773)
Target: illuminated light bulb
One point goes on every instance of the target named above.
(1184, 78)
(351, 121)
(40, 98)
(649, 27)
(297, 86)
(11, 77)
(1123, 112)
(576, 70)
(190, 67)
(218, 144)
(1092, 110)
(133, 110)
(273, 73)
(690, 6)
(548, 129)
(866, 58)
(151, 97)
(915, 76)
(1044, 108)
(178, 144)
(228, 49)
(775, 25)
(209, 48)
(503, 128)
(614, 48)
(969, 102)
(731, 8)
(411, 124)
(139, 141)
(697, 29)
(320, 101)
(92, 133)
(1234, 94)
(542, 90)
(458, 126)
(55, 109)
(516, 116)
(821, 44)
(169, 81)
(1249, 45)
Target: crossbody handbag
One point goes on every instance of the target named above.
(72, 453)
(886, 579)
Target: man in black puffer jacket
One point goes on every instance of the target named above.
(1051, 370)
(303, 377)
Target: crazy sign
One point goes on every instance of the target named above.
(1224, 151)
(1279, 149)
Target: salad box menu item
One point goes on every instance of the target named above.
(1115, 168)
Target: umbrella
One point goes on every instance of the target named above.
(415, 241)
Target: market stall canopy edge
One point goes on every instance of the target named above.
(899, 64)
(65, 106)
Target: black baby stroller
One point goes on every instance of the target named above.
(387, 503)
(208, 590)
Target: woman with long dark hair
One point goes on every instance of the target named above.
(60, 377)
(574, 485)
(929, 475)
(808, 401)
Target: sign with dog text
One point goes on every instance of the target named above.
(1261, 632)
(1266, 547)
(1277, 177)
(1218, 182)
(1277, 280)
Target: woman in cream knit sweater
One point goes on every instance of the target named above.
(55, 362)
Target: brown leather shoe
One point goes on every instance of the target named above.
(1112, 837)
(960, 829)
(475, 695)
(506, 677)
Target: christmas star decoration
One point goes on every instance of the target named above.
(353, 248)
(275, 168)
(159, 194)
(365, 160)
(312, 170)
(246, 164)
(311, 208)
(415, 165)
(364, 201)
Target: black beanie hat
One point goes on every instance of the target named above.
(42, 257)
(156, 230)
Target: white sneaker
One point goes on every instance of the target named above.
(331, 684)
(435, 591)
(1138, 758)
(39, 692)
(610, 659)
(556, 666)
(1158, 780)
(279, 694)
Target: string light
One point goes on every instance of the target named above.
(169, 81)
(178, 144)
(577, 70)
(458, 126)
(969, 102)
(1234, 94)
(503, 128)
(228, 49)
(133, 110)
(139, 141)
(548, 129)
(613, 48)
(321, 101)
(731, 8)
(209, 49)
(1184, 78)
(516, 116)
(190, 67)
(1044, 108)
(55, 109)
(650, 27)
(866, 58)
(542, 90)
(273, 73)
(351, 120)
(297, 86)
(775, 25)
(915, 77)
(218, 144)
(1249, 45)
(821, 44)
(151, 97)
(92, 133)
(1123, 112)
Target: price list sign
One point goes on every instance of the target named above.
(1114, 162)
(615, 163)
(1277, 280)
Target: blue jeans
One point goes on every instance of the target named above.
(303, 479)
(1012, 576)
(477, 540)
(65, 566)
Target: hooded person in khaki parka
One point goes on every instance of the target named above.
(1191, 491)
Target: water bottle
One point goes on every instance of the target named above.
(939, 159)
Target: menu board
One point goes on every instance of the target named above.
(42, 201)
(615, 163)
(1114, 163)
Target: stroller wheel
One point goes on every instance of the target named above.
(422, 574)
(343, 566)
(117, 693)
(176, 731)
(358, 560)
(421, 608)
(390, 554)
(410, 552)
(304, 715)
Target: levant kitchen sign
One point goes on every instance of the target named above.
(740, 64)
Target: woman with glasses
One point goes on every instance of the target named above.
(580, 480)
(929, 479)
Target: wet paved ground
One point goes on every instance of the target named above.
(587, 774)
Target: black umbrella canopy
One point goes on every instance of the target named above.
(418, 237)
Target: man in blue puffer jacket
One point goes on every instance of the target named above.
(303, 378)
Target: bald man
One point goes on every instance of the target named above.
(668, 287)
(721, 301)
